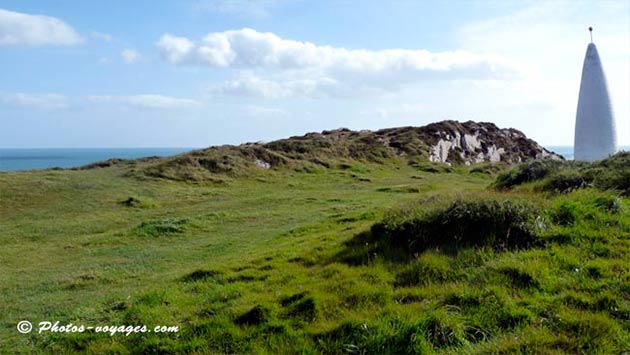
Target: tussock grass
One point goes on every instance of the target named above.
(160, 228)
(495, 221)
(612, 173)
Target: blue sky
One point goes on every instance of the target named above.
(197, 73)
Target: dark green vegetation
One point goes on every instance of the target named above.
(563, 176)
(346, 255)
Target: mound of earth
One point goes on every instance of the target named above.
(448, 142)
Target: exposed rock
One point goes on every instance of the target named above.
(478, 142)
(262, 164)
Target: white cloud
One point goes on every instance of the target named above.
(147, 101)
(24, 29)
(175, 49)
(279, 68)
(105, 37)
(130, 55)
(248, 49)
(37, 101)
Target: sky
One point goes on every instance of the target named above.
(196, 73)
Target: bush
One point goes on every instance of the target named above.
(610, 204)
(565, 181)
(501, 224)
(608, 174)
(565, 214)
(527, 172)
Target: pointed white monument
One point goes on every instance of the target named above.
(595, 133)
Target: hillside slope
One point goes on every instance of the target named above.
(449, 142)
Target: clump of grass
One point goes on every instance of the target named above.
(304, 308)
(527, 172)
(588, 332)
(499, 223)
(254, 316)
(565, 214)
(160, 228)
(430, 267)
(609, 203)
(136, 202)
(288, 300)
(487, 168)
(395, 335)
(429, 167)
(519, 278)
(612, 173)
(564, 181)
(201, 275)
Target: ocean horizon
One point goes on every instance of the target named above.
(18, 159)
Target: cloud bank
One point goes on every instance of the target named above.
(248, 48)
(273, 67)
(33, 30)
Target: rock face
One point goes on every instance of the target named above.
(595, 133)
(471, 142)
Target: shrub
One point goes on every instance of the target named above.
(527, 172)
(612, 173)
(610, 204)
(565, 181)
(501, 224)
(565, 214)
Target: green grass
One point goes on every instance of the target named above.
(612, 173)
(286, 261)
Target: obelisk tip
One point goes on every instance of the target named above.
(590, 30)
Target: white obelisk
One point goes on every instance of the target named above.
(595, 133)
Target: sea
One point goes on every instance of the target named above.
(567, 150)
(14, 159)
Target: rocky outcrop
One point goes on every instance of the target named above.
(447, 142)
(471, 142)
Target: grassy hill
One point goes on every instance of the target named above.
(359, 253)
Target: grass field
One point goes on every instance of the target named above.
(313, 261)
